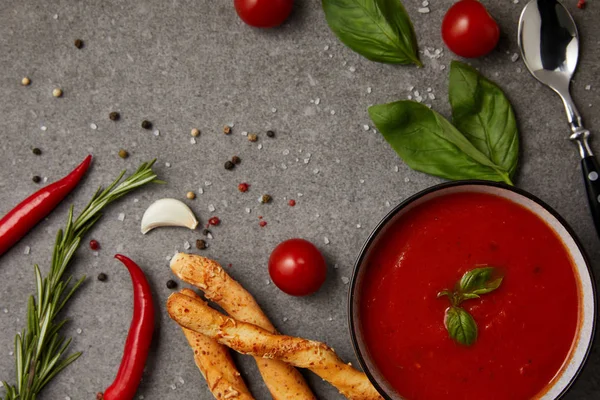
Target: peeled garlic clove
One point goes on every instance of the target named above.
(168, 212)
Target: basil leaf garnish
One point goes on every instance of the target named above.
(461, 326)
(481, 111)
(458, 322)
(379, 30)
(427, 142)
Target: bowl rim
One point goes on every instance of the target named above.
(431, 189)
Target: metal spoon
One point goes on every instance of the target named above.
(549, 46)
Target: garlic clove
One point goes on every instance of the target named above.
(168, 212)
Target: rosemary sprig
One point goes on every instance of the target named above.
(40, 349)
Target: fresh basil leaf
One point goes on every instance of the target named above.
(427, 142)
(467, 296)
(477, 281)
(481, 111)
(461, 326)
(379, 30)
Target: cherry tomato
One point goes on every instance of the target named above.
(263, 13)
(469, 30)
(297, 267)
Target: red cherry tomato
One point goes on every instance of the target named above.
(263, 13)
(297, 267)
(469, 30)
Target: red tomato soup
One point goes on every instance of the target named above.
(526, 327)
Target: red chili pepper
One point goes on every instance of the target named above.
(214, 221)
(22, 218)
(138, 339)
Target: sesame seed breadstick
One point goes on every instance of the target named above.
(283, 381)
(215, 363)
(250, 339)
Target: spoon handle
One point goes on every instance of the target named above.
(591, 175)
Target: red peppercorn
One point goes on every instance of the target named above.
(243, 187)
(94, 245)
(581, 4)
(214, 221)
(262, 223)
(292, 202)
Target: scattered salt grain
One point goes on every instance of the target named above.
(424, 10)
(332, 112)
(352, 69)
(173, 386)
(55, 16)
(156, 132)
(300, 194)
(409, 97)
(44, 128)
(425, 3)
(27, 250)
(283, 166)
(168, 164)
(286, 152)
(316, 171)
(260, 146)
(244, 133)
(248, 210)
(317, 101)
(330, 319)
(366, 127)
(431, 96)
(387, 203)
(588, 87)
(193, 140)
(45, 179)
(396, 168)
(79, 331)
(121, 217)
(519, 70)
(345, 280)
(67, 398)
(416, 93)
(267, 282)
(331, 56)
(369, 90)
(93, 126)
(306, 160)
(326, 48)
(207, 183)
(514, 57)
(273, 110)
(200, 190)
(211, 208)
(285, 319)
(407, 179)
(180, 379)
(209, 235)
(187, 245)
(326, 240)
(358, 226)
(5, 311)
(168, 258)
(442, 67)
(136, 200)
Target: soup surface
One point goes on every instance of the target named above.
(526, 327)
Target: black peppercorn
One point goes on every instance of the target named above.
(236, 160)
(171, 284)
(200, 244)
(270, 134)
(114, 116)
(36, 179)
(146, 124)
(229, 165)
(102, 277)
(78, 43)
(36, 151)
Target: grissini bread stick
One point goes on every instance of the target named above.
(215, 363)
(250, 339)
(283, 381)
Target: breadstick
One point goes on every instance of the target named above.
(215, 363)
(283, 381)
(250, 339)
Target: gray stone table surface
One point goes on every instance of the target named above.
(192, 63)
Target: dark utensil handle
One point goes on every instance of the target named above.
(591, 175)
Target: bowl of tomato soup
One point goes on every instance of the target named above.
(428, 323)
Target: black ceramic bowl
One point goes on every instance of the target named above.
(580, 350)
